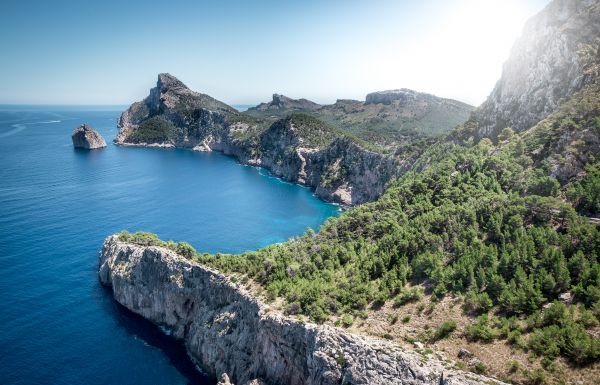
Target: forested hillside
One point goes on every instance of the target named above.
(501, 222)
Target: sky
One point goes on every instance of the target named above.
(241, 52)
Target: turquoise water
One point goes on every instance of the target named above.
(57, 204)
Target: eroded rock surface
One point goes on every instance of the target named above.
(86, 137)
(226, 330)
(544, 68)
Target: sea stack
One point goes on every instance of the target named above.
(86, 137)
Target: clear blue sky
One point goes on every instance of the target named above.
(109, 52)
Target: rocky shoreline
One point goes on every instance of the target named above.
(308, 166)
(226, 330)
(299, 148)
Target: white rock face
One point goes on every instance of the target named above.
(543, 69)
(226, 330)
(86, 137)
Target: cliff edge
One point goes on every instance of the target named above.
(226, 330)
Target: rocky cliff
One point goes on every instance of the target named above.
(299, 147)
(86, 137)
(544, 68)
(282, 102)
(226, 330)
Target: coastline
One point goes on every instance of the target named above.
(258, 165)
(226, 329)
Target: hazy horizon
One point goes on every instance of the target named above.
(109, 54)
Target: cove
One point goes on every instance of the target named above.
(57, 205)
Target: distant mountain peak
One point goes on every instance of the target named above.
(168, 81)
(388, 96)
(281, 102)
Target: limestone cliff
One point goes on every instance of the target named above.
(226, 330)
(544, 68)
(299, 148)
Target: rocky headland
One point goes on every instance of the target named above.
(88, 138)
(520, 174)
(292, 138)
(227, 330)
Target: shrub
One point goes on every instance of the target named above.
(480, 367)
(444, 330)
(347, 320)
(536, 377)
(587, 318)
(585, 194)
(570, 339)
(481, 330)
(406, 296)
(478, 302)
(185, 250)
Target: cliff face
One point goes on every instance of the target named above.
(298, 148)
(226, 330)
(544, 67)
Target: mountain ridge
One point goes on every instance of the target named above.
(175, 116)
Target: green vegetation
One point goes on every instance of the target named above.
(154, 130)
(444, 330)
(464, 223)
(347, 320)
(558, 333)
(313, 131)
(480, 367)
(585, 194)
(382, 127)
(149, 239)
(408, 295)
(478, 302)
(487, 222)
(481, 330)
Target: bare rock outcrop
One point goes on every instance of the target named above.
(227, 330)
(86, 137)
(544, 67)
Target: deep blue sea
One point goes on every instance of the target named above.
(57, 204)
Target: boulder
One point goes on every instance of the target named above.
(464, 354)
(86, 137)
(224, 380)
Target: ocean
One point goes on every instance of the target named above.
(57, 204)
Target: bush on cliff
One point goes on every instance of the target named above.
(153, 130)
